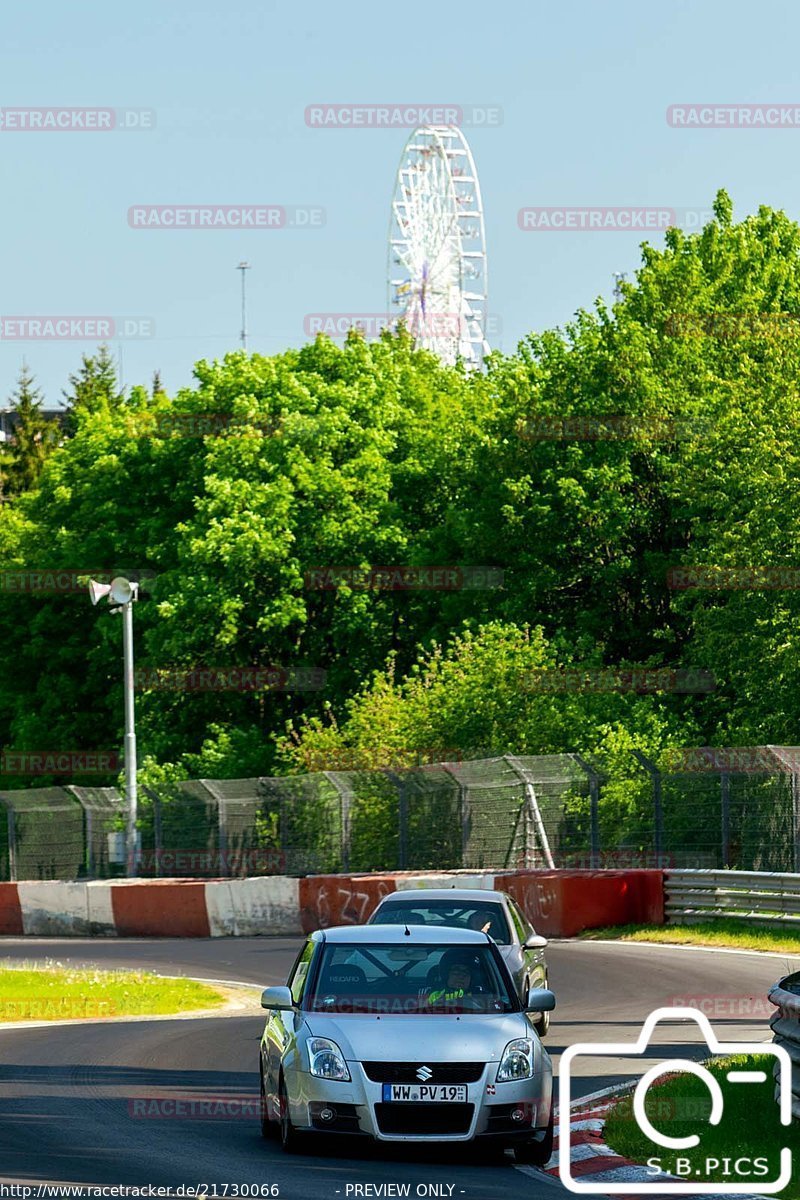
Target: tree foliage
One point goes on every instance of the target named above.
(656, 434)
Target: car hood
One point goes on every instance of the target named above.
(364, 1037)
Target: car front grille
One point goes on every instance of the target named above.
(424, 1119)
(394, 1072)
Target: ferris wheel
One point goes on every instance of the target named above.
(437, 246)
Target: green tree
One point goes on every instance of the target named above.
(233, 494)
(32, 440)
(92, 386)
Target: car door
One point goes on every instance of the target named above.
(533, 957)
(280, 1029)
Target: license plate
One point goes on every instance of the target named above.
(421, 1093)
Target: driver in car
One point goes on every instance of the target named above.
(456, 971)
(482, 920)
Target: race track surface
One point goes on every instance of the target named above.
(67, 1112)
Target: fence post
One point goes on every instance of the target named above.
(796, 820)
(155, 800)
(594, 809)
(88, 840)
(531, 809)
(658, 803)
(11, 825)
(463, 810)
(528, 839)
(725, 797)
(401, 784)
(222, 838)
(345, 796)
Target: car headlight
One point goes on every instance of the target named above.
(326, 1059)
(517, 1061)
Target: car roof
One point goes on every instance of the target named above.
(415, 895)
(382, 934)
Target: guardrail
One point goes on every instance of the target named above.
(785, 1025)
(762, 897)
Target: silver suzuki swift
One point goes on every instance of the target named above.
(404, 1033)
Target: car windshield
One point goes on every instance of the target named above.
(401, 978)
(454, 914)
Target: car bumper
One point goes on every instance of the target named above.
(499, 1112)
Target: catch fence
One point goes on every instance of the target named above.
(698, 809)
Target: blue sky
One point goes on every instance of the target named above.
(583, 87)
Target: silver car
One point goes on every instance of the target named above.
(406, 1033)
(494, 913)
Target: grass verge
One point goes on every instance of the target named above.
(53, 992)
(736, 934)
(742, 1149)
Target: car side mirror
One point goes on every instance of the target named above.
(277, 997)
(535, 942)
(540, 1000)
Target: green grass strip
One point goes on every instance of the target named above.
(740, 935)
(53, 992)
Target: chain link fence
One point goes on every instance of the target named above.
(699, 808)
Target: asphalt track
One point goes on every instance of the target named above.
(66, 1092)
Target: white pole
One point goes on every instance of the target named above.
(130, 738)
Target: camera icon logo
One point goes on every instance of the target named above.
(665, 1181)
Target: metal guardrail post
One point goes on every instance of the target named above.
(658, 802)
(725, 801)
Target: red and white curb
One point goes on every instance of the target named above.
(595, 1162)
(588, 1153)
